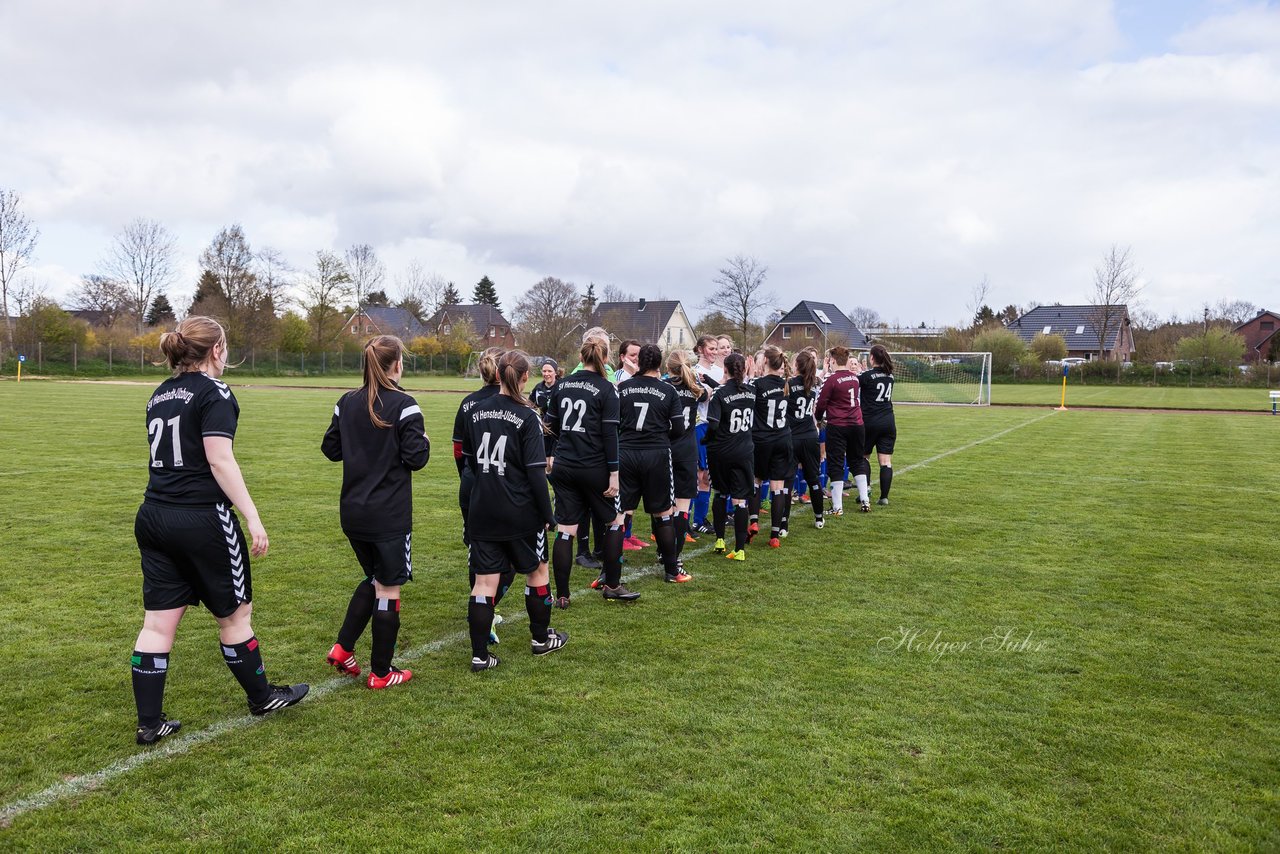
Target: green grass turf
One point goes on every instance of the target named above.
(765, 705)
(1136, 397)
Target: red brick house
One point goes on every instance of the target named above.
(1261, 343)
(485, 323)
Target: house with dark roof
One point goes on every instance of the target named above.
(661, 322)
(1078, 326)
(1261, 343)
(385, 320)
(815, 324)
(484, 324)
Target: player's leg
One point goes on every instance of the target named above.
(529, 556)
(884, 455)
(395, 569)
(488, 561)
(150, 664)
(837, 439)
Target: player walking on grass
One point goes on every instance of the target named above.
(731, 453)
(192, 546)
(649, 420)
(839, 405)
(771, 435)
(877, 414)
(585, 474)
(684, 450)
(802, 398)
(488, 365)
(510, 510)
(378, 434)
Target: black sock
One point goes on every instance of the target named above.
(359, 610)
(245, 663)
(886, 480)
(613, 556)
(149, 671)
(386, 626)
(682, 531)
(740, 526)
(479, 621)
(562, 562)
(778, 511)
(753, 505)
(719, 515)
(787, 496)
(815, 498)
(505, 580)
(664, 530)
(537, 601)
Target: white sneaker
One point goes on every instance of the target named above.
(817, 523)
(782, 534)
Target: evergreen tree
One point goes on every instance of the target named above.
(208, 299)
(486, 293)
(450, 295)
(589, 301)
(160, 312)
(378, 298)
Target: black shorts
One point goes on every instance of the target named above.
(733, 474)
(806, 456)
(841, 440)
(773, 460)
(646, 474)
(579, 491)
(192, 555)
(388, 561)
(494, 557)
(684, 470)
(881, 435)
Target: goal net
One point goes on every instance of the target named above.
(473, 364)
(956, 378)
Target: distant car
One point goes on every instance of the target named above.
(1164, 366)
(1074, 360)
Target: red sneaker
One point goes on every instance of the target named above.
(631, 544)
(775, 543)
(344, 661)
(690, 538)
(395, 676)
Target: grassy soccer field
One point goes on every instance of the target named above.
(1059, 636)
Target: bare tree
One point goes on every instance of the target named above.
(366, 272)
(864, 318)
(274, 276)
(421, 293)
(613, 293)
(325, 286)
(739, 293)
(18, 239)
(231, 263)
(1115, 285)
(545, 316)
(978, 296)
(1233, 312)
(141, 258)
(104, 296)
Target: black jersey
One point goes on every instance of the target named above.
(729, 418)
(182, 411)
(377, 494)
(502, 443)
(649, 414)
(584, 417)
(877, 395)
(541, 397)
(800, 409)
(771, 423)
(468, 403)
(689, 400)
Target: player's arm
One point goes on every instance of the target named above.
(676, 409)
(824, 398)
(226, 471)
(536, 462)
(415, 447)
(713, 419)
(459, 434)
(331, 444)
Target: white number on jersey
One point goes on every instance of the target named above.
(804, 407)
(854, 397)
(740, 420)
(569, 406)
(644, 410)
(496, 457)
(777, 413)
(884, 393)
(155, 429)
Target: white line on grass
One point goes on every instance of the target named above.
(178, 745)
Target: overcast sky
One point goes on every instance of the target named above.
(870, 152)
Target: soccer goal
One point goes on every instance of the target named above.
(473, 364)
(954, 378)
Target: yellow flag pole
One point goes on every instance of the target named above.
(1062, 407)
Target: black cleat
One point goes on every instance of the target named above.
(555, 640)
(487, 663)
(281, 697)
(586, 560)
(152, 734)
(619, 593)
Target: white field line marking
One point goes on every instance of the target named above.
(178, 745)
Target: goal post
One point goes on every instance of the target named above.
(962, 379)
